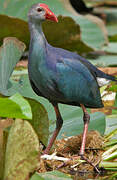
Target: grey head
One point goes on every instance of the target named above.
(40, 12)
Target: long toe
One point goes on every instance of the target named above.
(89, 162)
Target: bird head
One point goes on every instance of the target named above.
(40, 12)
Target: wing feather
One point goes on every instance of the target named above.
(77, 83)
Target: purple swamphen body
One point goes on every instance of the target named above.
(60, 75)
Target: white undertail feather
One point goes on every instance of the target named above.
(103, 81)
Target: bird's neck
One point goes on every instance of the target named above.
(36, 32)
(38, 43)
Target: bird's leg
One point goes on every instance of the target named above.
(86, 119)
(59, 122)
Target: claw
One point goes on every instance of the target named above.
(89, 162)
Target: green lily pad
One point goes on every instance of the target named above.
(22, 151)
(15, 107)
(112, 47)
(66, 35)
(112, 29)
(24, 105)
(10, 54)
(111, 124)
(14, 27)
(50, 175)
(3, 141)
(104, 61)
(40, 121)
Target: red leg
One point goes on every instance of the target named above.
(86, 120)
(59, 122)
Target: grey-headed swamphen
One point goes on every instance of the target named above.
(60, 75)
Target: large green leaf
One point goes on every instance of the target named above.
(50, 175)
(107, 60)
(1, 155)
(13, 27)
(15, 107)
(93, 31)
(111, 121)
(111, 125)
(66, 35)
(22, 151)
(3, 140)
(112, 29)
(24, 105)
(112, 47)
(40, 120)
(10, 54)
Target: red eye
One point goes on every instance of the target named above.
(39, 9)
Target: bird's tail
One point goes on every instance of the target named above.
(104, 78)
(101, 74)
(110, 77)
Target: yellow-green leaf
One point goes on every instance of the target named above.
(22, 151)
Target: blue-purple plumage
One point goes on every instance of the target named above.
(60, 75)
(66, 77)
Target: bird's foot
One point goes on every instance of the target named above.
(46, 151)
(89, 162)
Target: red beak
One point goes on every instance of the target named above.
(49, 14)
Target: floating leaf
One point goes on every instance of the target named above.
(3, 140)
(17, 107)
(93, 31)
(1, 155)
(70, 33)
(107, 60)
(24, 105)
(22, 151)
(112, 47)
(40, 120)
(10, 54)
(112, 29)
(111, 124)
(50, 175)
(14, 27)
